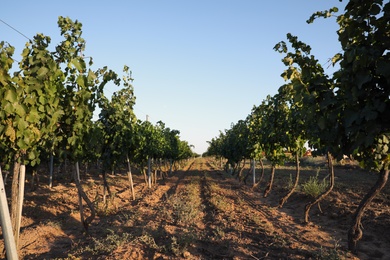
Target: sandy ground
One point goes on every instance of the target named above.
(200, 212)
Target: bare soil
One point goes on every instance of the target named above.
(201, 212)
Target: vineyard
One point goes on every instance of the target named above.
(201, 212)
(303, 176)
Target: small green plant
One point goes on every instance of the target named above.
(314, 187)
(185, 205)
(257, 220)
(219, 233)
(220, 203)
(290, 182)
(180, 244)
(185, 211)
(329, 253)
(148, 240)
(104, 246)
(105, 209)
(280, 240)
(128, 218)
(52, 223)
(175, 247)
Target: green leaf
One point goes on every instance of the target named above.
(10, 132)
(385, 148)
(22, 143)
(81, 81)
(22, 125)
(42, 100)
(20, 110)
(42, 72)
(10, 95)
(8, 108)
(25, 52)
(77, 64)
(385, 139)
(41, 108)
(31, 155)
(337, 58)
(362, 78)
(322, 123)
(91, 75)
(33, 116)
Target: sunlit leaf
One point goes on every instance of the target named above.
(33, 116)
(81, 81)
(20, 109)
(22, 125)
(42, 72)
(10, 132)
(10, 95)
(77, 65)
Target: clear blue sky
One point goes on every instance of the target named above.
(198, 66)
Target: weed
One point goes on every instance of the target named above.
(148, 240)
(179, 245)
(266, 227)
(220, 203)
(105, 209)
(257, 220)
(186, 205)
(280, 241)
(52, 223)
(214, 187)
(184, 210)
(70, 257)
(91, 184)
(240, 202)
(314, 187)
(329, 253)
(290, 184)
(175, 247)
(219, 233)
(128, 218)
(104, 246)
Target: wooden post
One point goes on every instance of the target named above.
(22, 178)
(51, 170)
(77, 180)
(130, 177)
(254, 171)
(9, 239)
(149, 173)
(149, 166)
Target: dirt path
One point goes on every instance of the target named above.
(198, 212)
